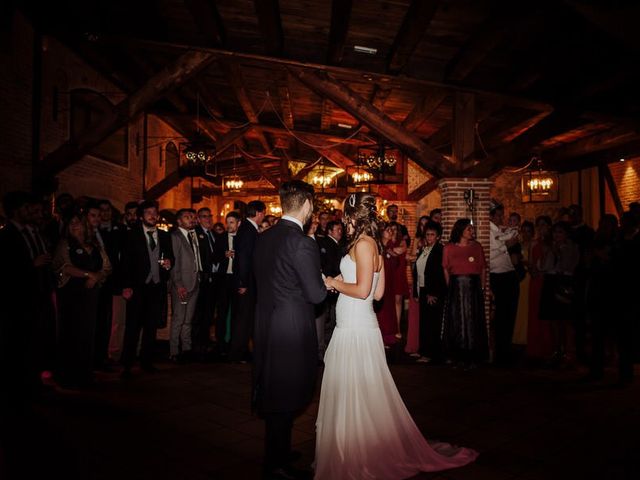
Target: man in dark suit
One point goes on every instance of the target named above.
(289, 284)
(225, 282)
(147, 258)
(211, 255)
(331, 253)
(20, 260)
(245, 295)
(430, 287)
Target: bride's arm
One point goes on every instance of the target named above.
(379, 293)
(365, 253)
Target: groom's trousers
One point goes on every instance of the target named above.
(277, 439)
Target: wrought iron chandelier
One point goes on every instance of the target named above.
(378, 157)
(539, 185)
(233, 183)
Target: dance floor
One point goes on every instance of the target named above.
(194, 422)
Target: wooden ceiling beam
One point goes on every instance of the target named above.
(627, 151)
(208, 20)
(159, 85)
(414, 25)
(284, 93)
(523, 146)
(605, 172)
(393, 132)
(305, 170)
(593, 143)
(340, 15)
(424, 109)
(325, 116)
(423, 190)
(268, 12)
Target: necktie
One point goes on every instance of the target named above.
(152, 242)
(194, 246)
(31, 242)
(211, 239)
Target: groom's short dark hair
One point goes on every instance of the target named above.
(293, 194)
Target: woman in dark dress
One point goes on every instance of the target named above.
(558, 288)
(82, 266)
(464, 329)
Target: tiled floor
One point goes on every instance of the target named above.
(194, 422)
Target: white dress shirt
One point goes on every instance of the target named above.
(230, 266)
(294, 220)
(499, 259)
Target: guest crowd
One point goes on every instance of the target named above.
(85, 288)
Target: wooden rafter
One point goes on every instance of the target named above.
(284, 92)
(523, 146)
(340, 15)
(591, 144)
(305, 170)
(415, 23)
(168, 79)
(424, 109)
(268, 12)
(325, 116)
(357, 106)
(423, 190)
(208, 20)
(626, 150)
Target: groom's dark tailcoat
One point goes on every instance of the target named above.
(289, 284)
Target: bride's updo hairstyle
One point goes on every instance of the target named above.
(361, 212)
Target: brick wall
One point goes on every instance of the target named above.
(627, 178)
(16, 54)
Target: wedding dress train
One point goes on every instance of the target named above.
(364, 430)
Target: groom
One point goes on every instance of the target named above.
(289, 283)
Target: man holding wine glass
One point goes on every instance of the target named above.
(147, 258)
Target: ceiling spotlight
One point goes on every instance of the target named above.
(345, 125)
(622, 159)
(367, 50)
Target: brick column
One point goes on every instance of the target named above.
(454, 207)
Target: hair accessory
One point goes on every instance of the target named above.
(352, 200)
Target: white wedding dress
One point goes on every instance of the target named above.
(364, 430)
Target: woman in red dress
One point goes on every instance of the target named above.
(539, 344)
(387, 315)
(464, 329)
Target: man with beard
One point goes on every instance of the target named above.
(289, 284)
(147, 258)
(392, 213)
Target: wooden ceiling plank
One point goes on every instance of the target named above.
(208, 20)
(159, 85)
(425, 156)
(340, 16)
(268, 12)
(414, 25)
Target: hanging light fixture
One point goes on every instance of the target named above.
(539, 185)
(233, 183)
(199, 151)
(378, 157)
(322, 178)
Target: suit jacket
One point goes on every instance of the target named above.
(243, 245)
(113, 244)
(434, 281)
(330, 256)
(135, 264)
(211, 256)
(289, 283)
(184, 272)
(18, 275)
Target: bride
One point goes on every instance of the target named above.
(364, 430)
